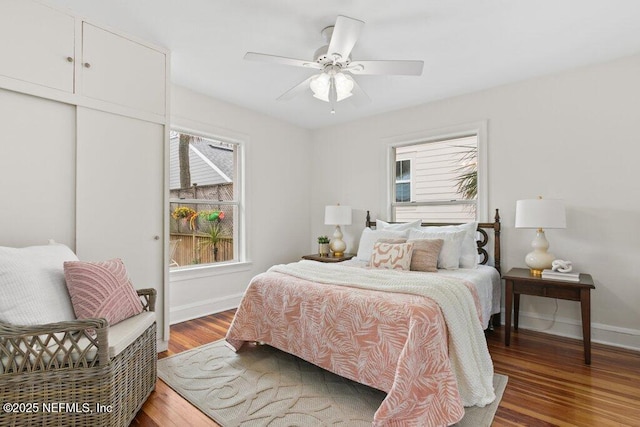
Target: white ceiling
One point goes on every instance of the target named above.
(466, 45)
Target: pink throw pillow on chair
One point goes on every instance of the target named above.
(101, 289)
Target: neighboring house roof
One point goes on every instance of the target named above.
(209, 164)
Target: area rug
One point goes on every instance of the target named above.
(263, 386)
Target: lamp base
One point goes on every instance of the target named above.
(539, 259)
(337, 245)
(535, 272)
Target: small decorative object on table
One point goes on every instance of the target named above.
(323, 245)
(561, 270)
(561, 266)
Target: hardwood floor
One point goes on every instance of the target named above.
(549, 384)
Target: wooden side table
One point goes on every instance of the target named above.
(518, 281)
(329, 258)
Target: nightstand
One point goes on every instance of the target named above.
(329, 258)
(518, 281)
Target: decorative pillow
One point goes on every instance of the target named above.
(32, 285)
(393, 256)
(101, 289)
(449, 257)
(425, 254)
(469, 249)
(369, 237)
(382, 225)
(392, 240)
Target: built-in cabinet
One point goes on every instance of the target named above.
(108, 172)
(37, 44)
(118, 70)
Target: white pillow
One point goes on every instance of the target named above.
(369, 237)
(449, 256)
(469, 250)
(382, 225)
(32, 285)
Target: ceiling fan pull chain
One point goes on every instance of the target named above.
(333, 95)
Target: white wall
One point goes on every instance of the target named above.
(277, 182)
(572, 136)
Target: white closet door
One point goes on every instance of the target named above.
(35, 42)
(119, 196)
(37, 165)
(121, 71)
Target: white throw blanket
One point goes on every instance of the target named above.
(468, 353)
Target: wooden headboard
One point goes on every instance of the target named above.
(482, 243)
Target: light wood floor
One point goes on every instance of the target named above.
(549, 384)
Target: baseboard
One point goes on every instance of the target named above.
(604, 334)
(162, 345)
(185, 312)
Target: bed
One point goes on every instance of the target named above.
(416, 336)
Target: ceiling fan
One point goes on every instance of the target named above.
(335, 83)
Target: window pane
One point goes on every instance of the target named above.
(202, 170)
(403, 192)
(443, 173)
(406, 170)
(437, 213)
(443, 170)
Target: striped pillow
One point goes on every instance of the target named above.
(101, 289)
(392, 256)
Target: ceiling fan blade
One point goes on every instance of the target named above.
(397, 68)
(344, 37)
(296, 90)
(262, 57)
(359, 97)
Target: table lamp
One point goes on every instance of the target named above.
(540, 213)
(337, 215)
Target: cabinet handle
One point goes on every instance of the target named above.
(156, 237)
(87, 65)
(69, 59)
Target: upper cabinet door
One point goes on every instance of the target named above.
(121, 71)
(36, 44)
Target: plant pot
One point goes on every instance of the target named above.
(323, 249)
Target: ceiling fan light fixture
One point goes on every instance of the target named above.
(344, 86)
(321, 86)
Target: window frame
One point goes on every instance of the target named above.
(479, 129)
(239, 235)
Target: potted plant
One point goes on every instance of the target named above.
(323, 245)
(185, 214)
(214, 233)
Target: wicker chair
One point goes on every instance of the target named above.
(62, 374)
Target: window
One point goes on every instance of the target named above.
(204, 200)
(436, 179)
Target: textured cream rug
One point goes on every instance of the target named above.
(263, 386)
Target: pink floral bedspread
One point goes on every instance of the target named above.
(393, 342)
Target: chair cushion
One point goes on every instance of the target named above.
(101, 289)
(32, 285)
(127, 331)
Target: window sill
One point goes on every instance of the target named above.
(197, 272)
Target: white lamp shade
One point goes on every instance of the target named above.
(337, 215)
(540, 213)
